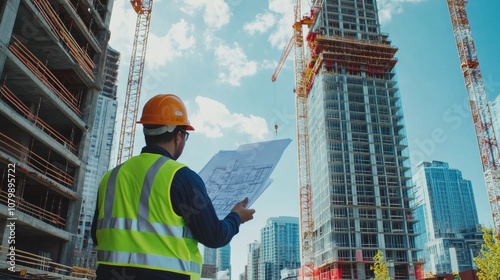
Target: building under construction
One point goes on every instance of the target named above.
(359, 164)
(52, 56)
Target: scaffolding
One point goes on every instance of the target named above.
(354, 56)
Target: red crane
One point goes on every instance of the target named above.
(301, 92)
(488, 148)
(136, 70)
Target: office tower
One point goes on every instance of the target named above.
(279, 247)
(99, 156)
(52, 57)
(446, 211)
(359, 168)
(253, 260)
(224, 259)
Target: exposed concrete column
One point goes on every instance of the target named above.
(7, 19)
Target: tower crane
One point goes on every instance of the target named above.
(136, 70)
(306, 222)
(481, 117)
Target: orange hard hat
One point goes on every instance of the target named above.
(165, 109)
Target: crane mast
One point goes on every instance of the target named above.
(481, 117)
(136, 70)
(301, 92)
(306, 222)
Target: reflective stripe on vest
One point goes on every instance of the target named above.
(149, 260)
(142, 224)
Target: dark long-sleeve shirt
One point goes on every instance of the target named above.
(190, 200)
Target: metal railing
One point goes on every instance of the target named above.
(35, 211)
(41, 263)
(58, 27)
(16, 104)
(44, 74)
(30, 158)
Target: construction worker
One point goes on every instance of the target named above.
(152, 210)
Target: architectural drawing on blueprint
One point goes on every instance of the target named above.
(230, 176)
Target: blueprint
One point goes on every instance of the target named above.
(230, 176)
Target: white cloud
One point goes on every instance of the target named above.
(285, 13)
(233, 64)
(216, 13)
(178, 40)
(278, 19)
(213, 118)
(268, 64)
(261, 24)
(122, 25)
(388, 8)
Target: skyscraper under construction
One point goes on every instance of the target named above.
(359, 164)
(52, 56)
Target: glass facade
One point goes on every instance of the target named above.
(360, 172)
(279, 248)
(224, 259)
(448, 224)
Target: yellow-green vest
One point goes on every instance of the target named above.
(137, 225)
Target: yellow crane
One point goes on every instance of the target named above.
(301, 92)
(136, 70)
(481, 117)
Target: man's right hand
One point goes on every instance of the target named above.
(244, 213)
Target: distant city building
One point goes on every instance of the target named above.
(209, 256)
(223, 275)
(289, 274)
(208, 271)
(220, 258)
(253, 260)
(448, 223)
(279, 248)
(99, 155)
(224, 259)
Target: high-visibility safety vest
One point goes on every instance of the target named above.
(137, 225)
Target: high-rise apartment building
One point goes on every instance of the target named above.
(52, 57)
(99, 155)
(359, 167)
(253, 260)
(279, 247)
(448, 223)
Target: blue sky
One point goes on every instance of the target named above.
(218, 56)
